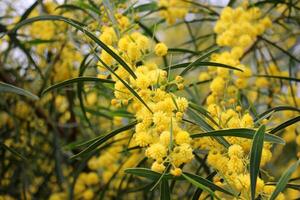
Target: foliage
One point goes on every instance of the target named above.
(159, 99)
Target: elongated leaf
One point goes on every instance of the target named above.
(14, 152)
(275, 109)
(239, 132)
(29, 10)
(288, 185)
(206, 127)
(143, 172)
(198, 60)
(4, 87)
(207, 183)
(101, 139)
(279, 77)
(180, 50)
(285, 124)
(73, 7)
(165, 190)
(79, 26)
(199, 64)
(151, 175)
(142, 8)
(198, 184)
(82, 68)
(177, 66)
(202, 111)
(284, 179)
(125, 84)
(76, 80)
(279, 48)
(255, 157)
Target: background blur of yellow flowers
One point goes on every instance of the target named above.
(157, 99)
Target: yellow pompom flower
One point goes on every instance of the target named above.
(176, 172)
(161, 49)
(158, 167)
(182, 137)
(218, 85)
(156, 151)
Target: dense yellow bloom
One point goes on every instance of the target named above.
(161, 49)
(173, 9)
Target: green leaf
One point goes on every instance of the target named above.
(181, 50)
(285, 124)
(207, 183)
(198, 184)
(4, 87)
(39, 41)
(278, 77)
(125, 84)
(14, 152)
(79, 26)
(29, 10)
(198, 60)
(165, 190)
(231, 2)
(143, 172)
(206, 127)
(182, 65)
(151, 175)
(76, 80)
(255, 157)
(279, 48)
(73, 7)
(80, 90)
(202, 111)
(288, 185)
(239, 132)
(282, 182)
(94, 143)
(142, 8)
(267, 113)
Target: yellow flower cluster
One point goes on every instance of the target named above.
(159, 123)
(236, 29)
(171, 10)
(239, 27)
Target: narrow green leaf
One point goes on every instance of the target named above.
(101, 139)
(207, 183)
(76, 80)
(4, 87)
(206, 127)
(198, 184)
(255, 157)
(284, 179)
(288, 185)
(143, 172)
(275, 109)
(199, 64)
(73, 7)
(82, 68)
(125, 84)
(151, 175)
(181, 50)
(165, 190)
(278, 77)
(239, 132)
(14, 152)
(279, 48)
(198, 60)
(285, 124)
(142, 8)
(29, 10)
(79, 26)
